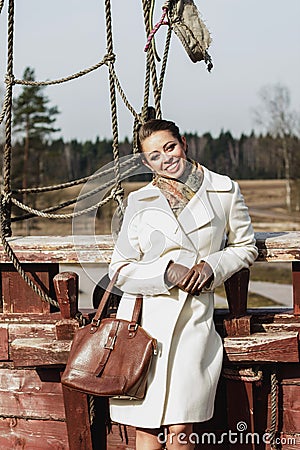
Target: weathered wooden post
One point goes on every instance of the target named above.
(296, 286)
(236, 287)
(76, 403)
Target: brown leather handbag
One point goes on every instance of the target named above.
(111, 357)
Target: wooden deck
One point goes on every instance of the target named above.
(37, 413)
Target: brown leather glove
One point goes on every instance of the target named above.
(198, 277)
(175, 273)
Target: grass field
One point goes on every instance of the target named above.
(265, 200)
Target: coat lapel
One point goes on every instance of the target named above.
(196, 214)
(153, 202)
(199, 211)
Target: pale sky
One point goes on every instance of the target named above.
(255, 43)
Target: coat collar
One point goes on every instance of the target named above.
(198, 211)
(212, 181)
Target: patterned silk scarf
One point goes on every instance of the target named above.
(180, 191)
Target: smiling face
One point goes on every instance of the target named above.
(164, 154)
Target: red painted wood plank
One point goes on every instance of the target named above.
(78, 424)
(33, 434)
(18, 297)
(29, 394)
(39, 352)
(290, 408)
(31, 330)
(296, 286)
(4, 342)
(277, 347)
(23, 318)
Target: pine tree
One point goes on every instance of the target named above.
(34, 120)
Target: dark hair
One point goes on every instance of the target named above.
(154, 125)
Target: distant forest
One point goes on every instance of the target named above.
(38, 159)
(249, 157)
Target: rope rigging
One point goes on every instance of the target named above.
(195, 38)
(116, 193)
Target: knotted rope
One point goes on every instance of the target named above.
(247, 374)
(273, 431)
(6, 201)
(116, 193)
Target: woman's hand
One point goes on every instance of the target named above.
(175, 273)
(197, 278)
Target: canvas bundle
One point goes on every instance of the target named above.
(185, 20)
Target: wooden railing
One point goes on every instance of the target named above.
(35, 336)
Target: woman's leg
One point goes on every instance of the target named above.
(149, 439)
(178, 437)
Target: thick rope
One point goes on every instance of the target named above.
(135, 149)
(6, 100)
(114, 83)
(12, 256)
(106, 185)
(106, 60)
(92, 410)
(154, 29)
(146, 88)
(164, 61)
(113, 108)
(122, 94)
(272, 432)
(6, 205)
(78, 199)
(248, 374)
(146, 8)
(39, 213)
(37, 189)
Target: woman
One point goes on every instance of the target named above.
(182, 235)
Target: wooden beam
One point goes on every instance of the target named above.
(277, 246)
(4, 356)
(66, 288)
(24, 394)
(238, 323)
(39, 352)
(264, 347)
(18, 297)
(77, 416)
(32, 434)
(296, 286)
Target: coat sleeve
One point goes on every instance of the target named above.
(140, 275)
(240, 251)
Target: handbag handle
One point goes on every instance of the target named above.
(136, 310)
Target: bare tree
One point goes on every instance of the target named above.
(275, 116)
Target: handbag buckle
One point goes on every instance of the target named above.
(132, 326)
(94, 324)
(110, 343)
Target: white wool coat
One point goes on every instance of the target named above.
(213, 227)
